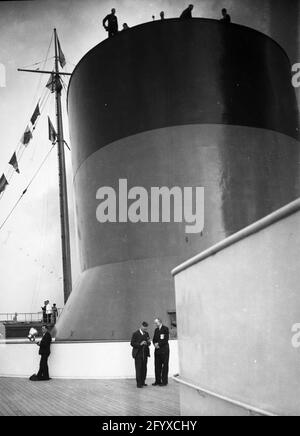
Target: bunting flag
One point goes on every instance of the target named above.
(35, 114)
(52, 132)
(54, 83)
(13, 161)
(26, 137)
(3, 183)
(61, 56)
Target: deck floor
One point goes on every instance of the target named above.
(56, 397)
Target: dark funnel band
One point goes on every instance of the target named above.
(177, 72)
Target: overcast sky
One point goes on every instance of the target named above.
(30, 266)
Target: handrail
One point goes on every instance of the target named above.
(283, 212)
(245, 406)
(24, 316)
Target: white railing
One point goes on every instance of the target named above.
(25, 316)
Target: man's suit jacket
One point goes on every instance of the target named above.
(161, 336)
(139, 350)
(45, 344)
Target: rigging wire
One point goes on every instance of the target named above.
(45, 60)
(65, 86)
(25, 190)
(21, 148)
(40, 62)
(41, 250)
(34, 148)
(42, 102)
(71, 63)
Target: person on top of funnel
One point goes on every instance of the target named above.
(112, 23)
(187, 13)
(225, 17)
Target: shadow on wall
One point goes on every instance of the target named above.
(257, 92)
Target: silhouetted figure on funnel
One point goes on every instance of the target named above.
(125, 26)
(112, 23)
(187, 13)
(226, 17)
(162, 15)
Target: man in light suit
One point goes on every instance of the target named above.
(140, 342)
(161, 354)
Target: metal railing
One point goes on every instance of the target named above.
(26, 316)
(204, 392)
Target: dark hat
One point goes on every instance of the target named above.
(145, 324)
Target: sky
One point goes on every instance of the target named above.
(30, 265)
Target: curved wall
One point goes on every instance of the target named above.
(172, 104)
(238, 321)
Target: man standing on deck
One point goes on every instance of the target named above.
(112, 23)
(44, 312)
(44, 352)
(140, 342)
(161, 354)
(48, 311)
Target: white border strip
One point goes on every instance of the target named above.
(245, 406)
(283, 212)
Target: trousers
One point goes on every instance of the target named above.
(140, 370)
(161, 364)
(43, 373)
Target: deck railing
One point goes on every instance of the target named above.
(25, 316)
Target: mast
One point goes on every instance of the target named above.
(63, 195)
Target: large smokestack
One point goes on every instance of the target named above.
(186, 103)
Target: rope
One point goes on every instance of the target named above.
(45, 60)
(21, 148)
(25, 190)
(37, 63)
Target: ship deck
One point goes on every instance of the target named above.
(65, 397)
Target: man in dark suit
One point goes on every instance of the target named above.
(187, 13)
(225, 17)
(140, 342)
(110, 23)
(161, 354)
(44, 352)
